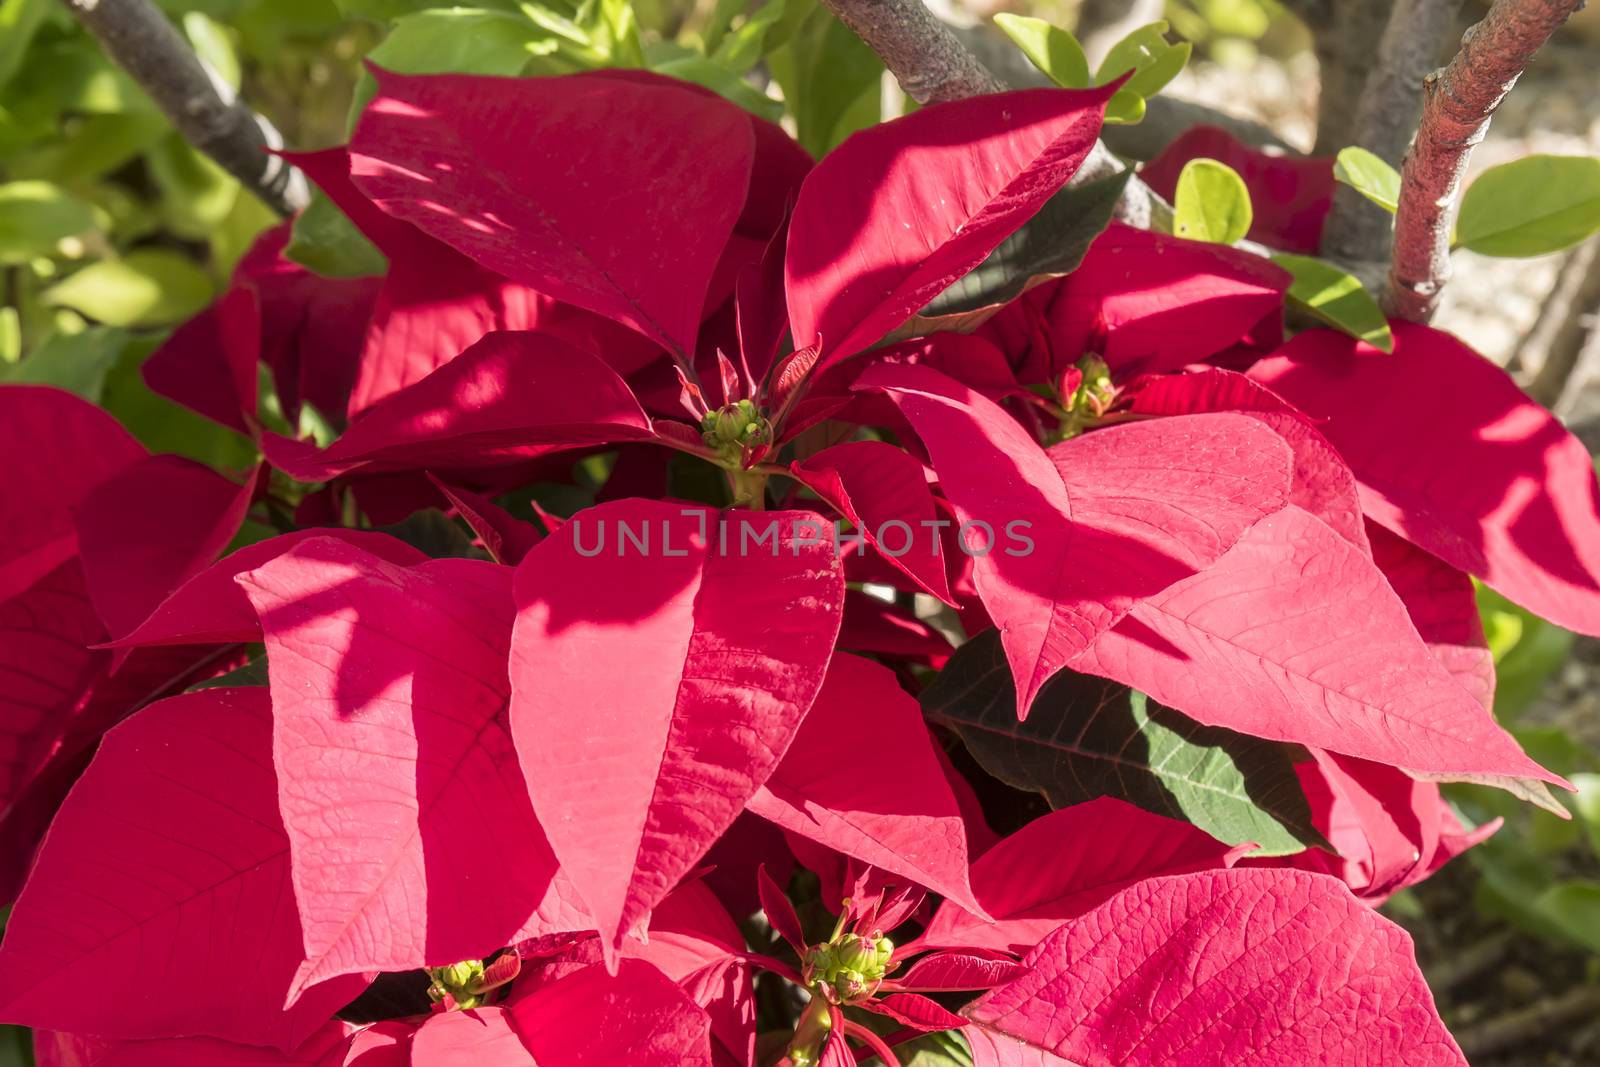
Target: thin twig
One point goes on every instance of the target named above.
(1458, 104)
(932, 66)
(143, 42)
(1386, 115)
(1550, 350)
(1516, 1027)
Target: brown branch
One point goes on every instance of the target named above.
(1518, 1027)
(1550, 350)
(932, 66)
(1457, 106)
(141, 40)
(1385, 116)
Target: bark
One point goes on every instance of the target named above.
(140, 39)
(1458, 103)
(1386, 115)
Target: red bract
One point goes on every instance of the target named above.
(520, 808)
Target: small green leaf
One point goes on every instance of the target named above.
(1134, 52)
(1050, 48)
(324, 239)
(76, 362)
(1088, 737)
(1212, 203)
(1531, 206)
(147, 287)
(1154, 77)
(1370, 176)
(42, 219)
(1153, 62)
(1125, 108)
(1329, 294)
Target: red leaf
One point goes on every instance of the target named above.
(507, 170)
(209, 363)
(149, 529)
(592, 1019)
(948, 971)
(413, 840)
(1323, 483)
(1443, 607)
(898, 212)
(1295, 635)
(74, 1050)
(883, 491)
(1291, 195)
(504, 536)
(1454, 457)
(862, 778)
(385, 1044)
(1224, 967)
(210, 608)
(1109, 517)
(485, 1036)
(165, 883)
(655, 689)
(510, 396)
(917, 1012)
(780, 913)
(1066, 863)
(1149, 302)
(72, 447)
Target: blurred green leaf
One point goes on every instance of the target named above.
(233, 236)
(830, 81)
(196, 193)
(1050, 48)
(1329, 294)
(211, 43)
(1370, 176)
(76, 362)
(162, 426)
(461, 40)
(1527, 650)
(325, 240)
(1212, 203)
(743, 47)
(725, 83)
(19, 19)
(613, 31)
(147, 287)
(1531, 206)
(1587, 805)
(93, 146)
(10, 335)
(38, 218)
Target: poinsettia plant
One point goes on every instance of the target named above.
(819, 525)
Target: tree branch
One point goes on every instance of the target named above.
(1385, 116)
(1457, 106)
(1550, 350)
(932, 66)
(139, 38)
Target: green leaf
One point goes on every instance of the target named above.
(613, 32)
(436, 534)
(19, 20)
(830, 80)
(1212, 203)
(76, 362)
(233, 236)
(162, 426)
(325, 240)
(712, 75)
(41, 219)
(944, 1049)
(1050, 48)
(1587, 804)
(99, 145)
(742, 48)
(462, 40)
(1088, 737)
(1330, 295)
(1527, 651)
(147, 287)
(1531, 206)
(197, 194)
(1154, 62)
(1050, 244)
(214, 47)
(1370, 176)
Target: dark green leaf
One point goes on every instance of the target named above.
(325, 240)
(1088, 737)
(435, 533)
(1050, 244)
(830, 80)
